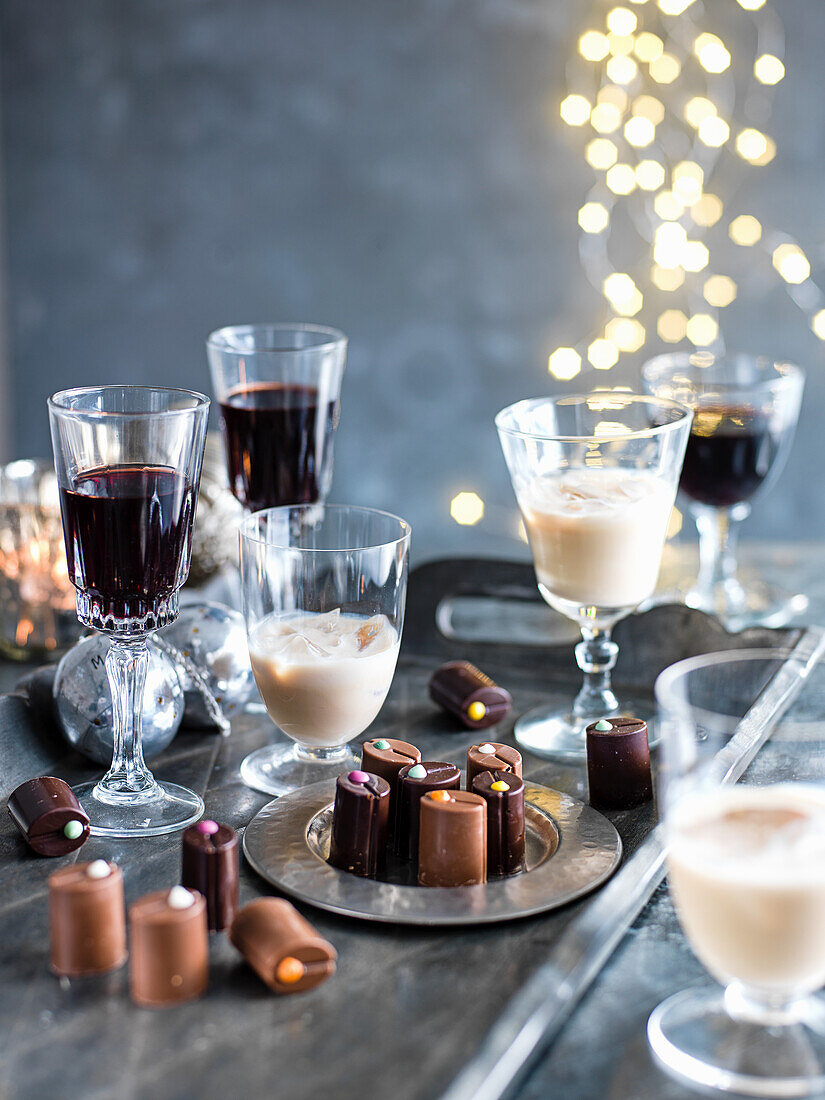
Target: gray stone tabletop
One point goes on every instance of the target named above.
(407, 1006)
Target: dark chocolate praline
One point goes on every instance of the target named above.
(48, 815)
(209, 864)
(360, 820)
(505, 820)
(618, 764)
(469, 695)
(438, 776)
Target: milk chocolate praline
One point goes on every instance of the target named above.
(209, 865)
(359, 823)
(502, 758)
(169, 960)
(503, 794)
(452, 848)
(48, 815)
(438, 776)
(388, 762)
(618, 764)
(281, 947)
(87, 919)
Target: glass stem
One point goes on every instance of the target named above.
(596, 655)
(126, 666)
(718, 528)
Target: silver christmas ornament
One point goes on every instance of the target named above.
(208, 644)
(215, 533)
(83, 701)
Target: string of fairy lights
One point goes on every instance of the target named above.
(671, 96)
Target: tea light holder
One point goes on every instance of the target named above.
(37, 600)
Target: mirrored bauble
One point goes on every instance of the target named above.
(83, 701)
(208, 643)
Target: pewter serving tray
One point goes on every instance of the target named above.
(571, 849)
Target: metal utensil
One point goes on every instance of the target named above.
(536, 1014)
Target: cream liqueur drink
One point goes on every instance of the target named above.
(323, 677)
(597, 534)
(747, 874)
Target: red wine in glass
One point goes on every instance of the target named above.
(127, 531)
(730, 453)
(277, 437)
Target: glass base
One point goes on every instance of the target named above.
(556, 733)
(695, 1040)
(279, 769)
(756, 603)
(164, 808)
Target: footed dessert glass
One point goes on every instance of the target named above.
(128, 462)
(746, 868)
(324, 589)
(595, 478)
(745, 411)
(278, 388)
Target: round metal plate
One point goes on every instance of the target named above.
(571, 849)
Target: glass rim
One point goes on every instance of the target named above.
(58, 403)
(246, 532)
(785, 372)
(218, 339)
(686, 413)
(680, 670)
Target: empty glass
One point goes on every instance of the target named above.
(128, 462)
(324, 590)
(278, 388)
(745, 414)
(746, 867)
(595, 478)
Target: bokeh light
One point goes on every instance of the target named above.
(650, 175)
(622, 69)
(621, 179)
(695, 256)
(648, 106)
(745, 230)
(648, 47)
(768, 69)
(601, 153)
(719, 290)
(626, 333)
(621, 21)
(668, 206)
(564, 364)
(754, 146)
(671, 326)
(674, 7)
(639, 131)
(707, 210)
(574, 110)
(702, 329)
(791, 263)
(603, 353)
(594, 217)
(665, 69)
(593, 46)
(687, 181)
(711, 53)
(467, 509)
(605, 118)
(713, 131)
(667, 278)
(698, 109)
(818, 324)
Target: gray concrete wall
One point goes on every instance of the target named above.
(396, 169)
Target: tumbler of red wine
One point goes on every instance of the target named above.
(278, 387)
(128, 462)
(745, 410)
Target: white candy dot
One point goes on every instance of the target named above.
(180, 898)
(98, 868)
(487, 748)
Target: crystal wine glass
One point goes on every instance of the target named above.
(595, 478)
(324, 589)
(746, 867)
(128, 462)
(278, 387)
(744, 419)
